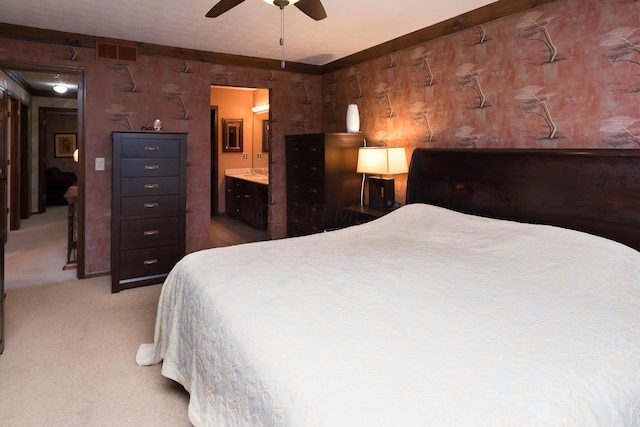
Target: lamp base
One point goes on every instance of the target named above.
(381, 193)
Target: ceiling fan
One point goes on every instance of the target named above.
(311, 8)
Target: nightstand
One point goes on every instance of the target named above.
(356, 214)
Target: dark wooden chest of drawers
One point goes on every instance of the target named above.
(148, 207)
(321, 179)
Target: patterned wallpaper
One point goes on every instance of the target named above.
(563, 75)
(127, 96)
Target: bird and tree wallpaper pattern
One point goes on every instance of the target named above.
(566, 74)
(562, 75)
(124, 96)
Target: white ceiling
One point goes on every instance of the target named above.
(250, 29)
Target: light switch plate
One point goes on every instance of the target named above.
(99, 163)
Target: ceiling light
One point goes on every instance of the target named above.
(60, 88)
(279, 2)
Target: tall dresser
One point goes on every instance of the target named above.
(148, 206)
(321, 179)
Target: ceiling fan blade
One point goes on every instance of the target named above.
(221, 7)
(312, 8)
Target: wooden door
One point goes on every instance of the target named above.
(14, 164)
(25, 160)
(4, 152)
(3, 204)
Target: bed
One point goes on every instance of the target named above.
(505, 292)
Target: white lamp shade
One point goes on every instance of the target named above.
(75, 156)
(397, 160)
(353, 118)
(382, 160)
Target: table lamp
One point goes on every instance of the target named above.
(381, 161)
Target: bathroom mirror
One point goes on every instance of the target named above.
(232, 135)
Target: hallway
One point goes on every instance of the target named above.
(37, 253)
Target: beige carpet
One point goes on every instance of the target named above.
(37, 252)
(69, 359)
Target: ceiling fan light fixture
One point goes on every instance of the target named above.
(60, 88)
(281, 2)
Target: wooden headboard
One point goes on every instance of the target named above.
(596, 191)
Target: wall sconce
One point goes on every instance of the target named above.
(381, 161)
(75, 156)
(260, 108)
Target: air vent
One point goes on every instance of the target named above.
(116, 52)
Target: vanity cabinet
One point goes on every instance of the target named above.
(247, 201)
(148, 206)
(321, 179)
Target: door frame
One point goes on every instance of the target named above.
(42, 148)
(15, 164)
(214, 160)
(25, 157)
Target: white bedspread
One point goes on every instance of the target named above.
(424, 317)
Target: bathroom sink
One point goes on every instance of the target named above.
(260, 178)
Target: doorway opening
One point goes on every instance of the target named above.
(37, 149)
(248, 108)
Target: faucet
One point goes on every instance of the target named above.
(253, 172)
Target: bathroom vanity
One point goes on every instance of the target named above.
(246, 198)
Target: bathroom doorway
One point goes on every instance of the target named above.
(251, 107)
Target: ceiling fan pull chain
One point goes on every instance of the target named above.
(282, 34)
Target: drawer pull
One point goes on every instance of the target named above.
(313, 168)
(151, 167)
(151, 186)
(151, 148)
(151, 233)
(313, 190)
(247, 196)
(150, 261)
(150, 205)
(313, 150)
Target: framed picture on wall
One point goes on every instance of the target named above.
(65, 144)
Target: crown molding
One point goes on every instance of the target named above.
(482, 15)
